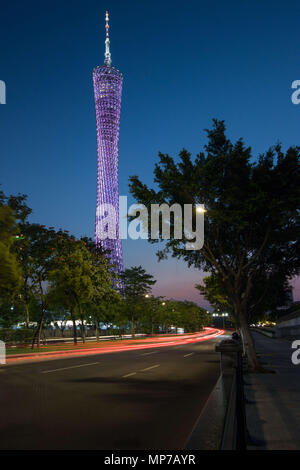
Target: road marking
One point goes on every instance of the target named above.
(128, 375)
(147, 354)
(187, 355)
(151, 367)
(71, 367)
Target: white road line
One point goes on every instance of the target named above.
(71, 367)
(128, 375)
(147, 354)
(148, 368)
(187, 355)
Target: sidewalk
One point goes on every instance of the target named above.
(273, 414)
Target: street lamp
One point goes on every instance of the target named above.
(201, 210)
(224, 315)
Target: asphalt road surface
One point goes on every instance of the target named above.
(137, 400)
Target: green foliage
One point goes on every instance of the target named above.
(11, 313)
(213, 291)
(252, 218)
(137, 283)
(13, 336)
(10, 272)
(70, 280)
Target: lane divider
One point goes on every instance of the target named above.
(149, 368)
(148, 354)
(128, 375)
(70, 367)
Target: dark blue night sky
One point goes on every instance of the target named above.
(184, 63)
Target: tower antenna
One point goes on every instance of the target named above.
(107, 54)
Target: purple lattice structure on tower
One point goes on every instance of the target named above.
(107, 90)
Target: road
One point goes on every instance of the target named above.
(135, 399)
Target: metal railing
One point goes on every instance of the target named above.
(235, 429)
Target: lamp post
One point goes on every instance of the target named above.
(151, 312)
(223, 316)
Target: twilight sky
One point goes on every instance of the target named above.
(183, 63)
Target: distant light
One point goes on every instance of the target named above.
(164, 303)
(201, 209)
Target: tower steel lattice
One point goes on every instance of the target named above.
(107, 90)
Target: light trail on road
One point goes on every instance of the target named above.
(138, 398)
(149, 343)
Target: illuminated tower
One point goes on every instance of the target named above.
(108, 89)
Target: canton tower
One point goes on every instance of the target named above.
(107, 90)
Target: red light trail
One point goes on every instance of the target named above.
(148, 343)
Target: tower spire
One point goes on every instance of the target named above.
(107, 55)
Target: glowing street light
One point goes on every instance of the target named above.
(223, 316)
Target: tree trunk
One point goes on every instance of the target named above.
(74, 327)
(97, 325)
(40, 324)
(82, 329)
(37, 334)
(27, 316)
(247, 337)
(132, 328)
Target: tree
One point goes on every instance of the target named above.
(105, 297)
(189, 316)
(212, 290)
(152, 315)
(41, 244)
(251, 219)
(21, 248)
(170, 314)
(10, 270)
(270, 291)
(137, 283)
(10, 312)
(71, 279)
